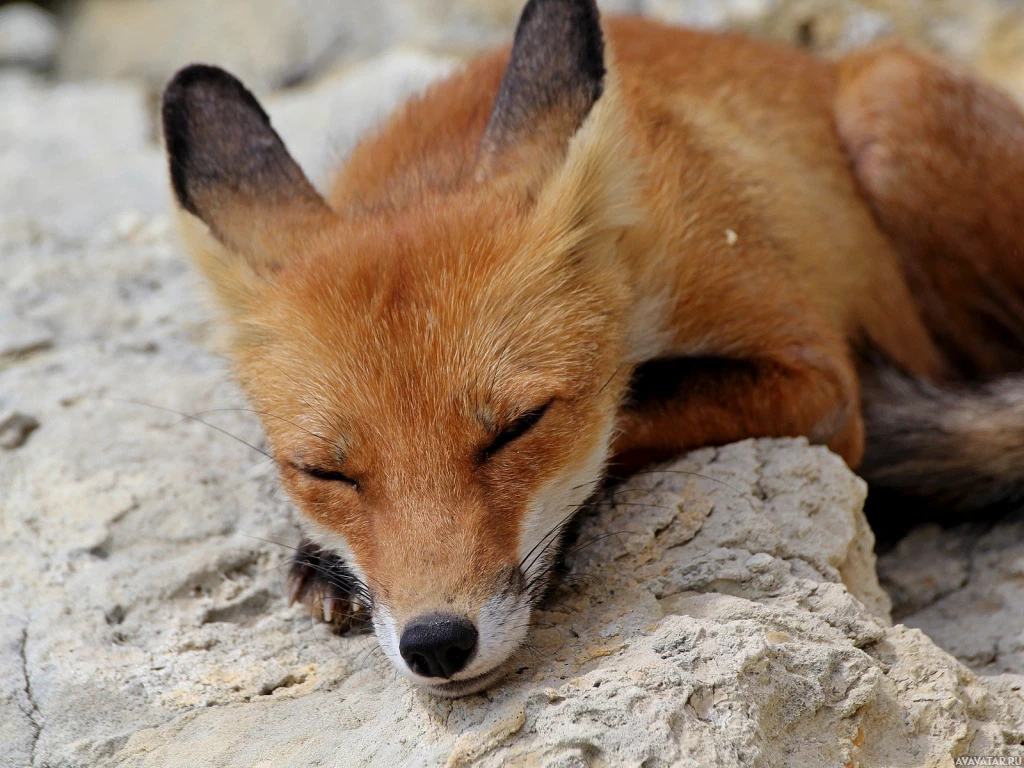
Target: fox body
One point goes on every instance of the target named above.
(598, 249)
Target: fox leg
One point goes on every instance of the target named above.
(321, 582)
(717, 402)
(778, 372)
(939, 155)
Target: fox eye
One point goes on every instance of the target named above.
(329, 475)
(515, 430)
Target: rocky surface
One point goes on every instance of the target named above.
(964, 587)
(29, 36)
(725, 611)
(267, 43)
(76, 154)
(287, 41)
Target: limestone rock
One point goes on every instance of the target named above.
(267, 43)
(76, 154)
(964, 587)
(721, 611)
(28, 36)
(19, 336)
(986, 34)
(275, 43)
(15, 428)
(715, 614)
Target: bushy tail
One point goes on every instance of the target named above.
(956, 450)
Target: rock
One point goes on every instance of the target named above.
(467, 26)
(320, 123)
(268, 45)
(723, 611)
(927, 564)
(984, 33)
(76, 180)
(285, 43)
(15, 428)
(18, 728)
(290, 41)
(711, 14)
(964, 587)
(19, 336)
(76, 154)
(462, 26)
(29, 36)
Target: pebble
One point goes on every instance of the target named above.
(15, 428)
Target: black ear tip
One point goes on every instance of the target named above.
(199, 102)
(195, 73)
(205, 82)
(586, 8)
(572, 25)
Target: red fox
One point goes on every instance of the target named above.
(604, 246)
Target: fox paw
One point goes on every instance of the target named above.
(321, 582)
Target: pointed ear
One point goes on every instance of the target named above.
(595, 195)
(230, 169)
(554, 77)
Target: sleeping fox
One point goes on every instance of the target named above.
(597, 249)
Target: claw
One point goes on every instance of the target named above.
(328, 606)
(295, 588)
(321, 581)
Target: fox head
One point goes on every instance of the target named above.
(439, 379)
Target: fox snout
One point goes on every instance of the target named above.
(454, 640)
(450, 639)
(438, 645)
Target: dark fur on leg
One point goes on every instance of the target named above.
(320, 580)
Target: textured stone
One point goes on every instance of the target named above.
(29, 36)
(716, 612)
(722, 612)
(964, 587)
(76, 154)
(270, 43)
(19, 336)
(15, 428)
(267, 43)
(984, 33)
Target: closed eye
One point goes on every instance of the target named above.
(515, 430)
(329, 475)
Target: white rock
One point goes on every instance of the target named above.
(711, 14)
(723, 621)
(269, 44)
(964, 587)
(29, 36)
(21, 336)
(74, 155)
(320, 123)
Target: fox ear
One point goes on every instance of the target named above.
(554, 77)
(230, 169)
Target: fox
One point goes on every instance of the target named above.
(588, 252)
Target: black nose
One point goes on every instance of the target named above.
(437, 645)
